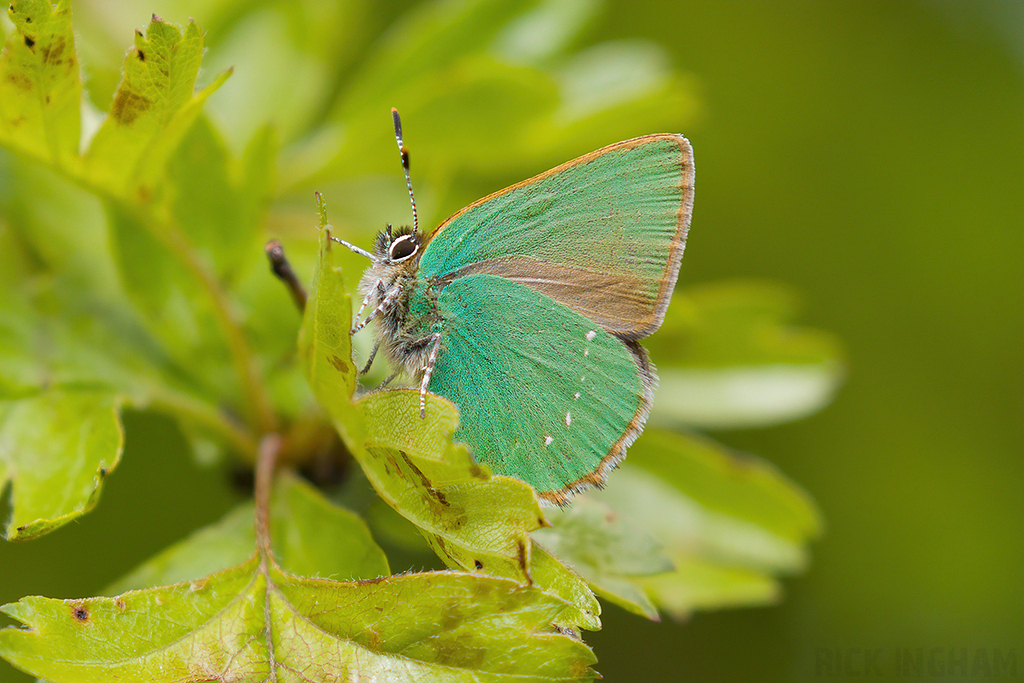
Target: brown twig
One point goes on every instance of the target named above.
(283, 270)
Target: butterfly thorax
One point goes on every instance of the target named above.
(405, 319)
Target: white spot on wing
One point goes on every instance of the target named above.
(547, 439)
(568, 418)
(591, 335)
(576, 395)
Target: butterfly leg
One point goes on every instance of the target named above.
(378, 286)
(428, 370)
(369, 361)
(385, 302)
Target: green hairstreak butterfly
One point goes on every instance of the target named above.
(525, 308)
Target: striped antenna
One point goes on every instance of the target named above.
(405, 166)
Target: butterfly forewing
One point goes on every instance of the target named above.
(545, 394)
(603, 234)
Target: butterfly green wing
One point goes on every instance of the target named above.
(545, 395)
(603, 234)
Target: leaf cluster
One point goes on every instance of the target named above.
(132, 275)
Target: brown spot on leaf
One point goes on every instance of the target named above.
(523, 563)
(29, 43)
(482, 590)
(80, 613)
(478, 564)
(391, 467)
(141, 55)
(451, 614)
(20, 80)
(435, 494)
(121, 604)
(128, 105)
(339, 365)
(54, 53)
(459, 655)
(371, 639)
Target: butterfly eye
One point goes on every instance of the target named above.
(402, 248)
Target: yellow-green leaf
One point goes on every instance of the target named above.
(730, 524)
(728, 357)
(325, 345)
(56, 447)
(251, 623)
(152, 109)
(311, 537)
(607, 550)
(40, 88)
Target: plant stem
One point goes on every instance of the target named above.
(270, 446)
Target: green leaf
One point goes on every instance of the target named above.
(471, 519)
(606, 550)
(467, 74)
(56, 447)
(59, 228)
(174, 300)
(250, 623)
(216, 200)
(708, 585)
(727, 358)
(551, 575)
(728, 523)
(325, 345)
(181, 270)
(40, 89)
(153, 108)
(311, 537)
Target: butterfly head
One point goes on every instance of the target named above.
(395, 246)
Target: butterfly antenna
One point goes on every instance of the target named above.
(405, 166)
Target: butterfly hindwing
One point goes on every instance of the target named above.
(545, 395)
(603, 234)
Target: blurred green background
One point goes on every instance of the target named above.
(871, 156)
